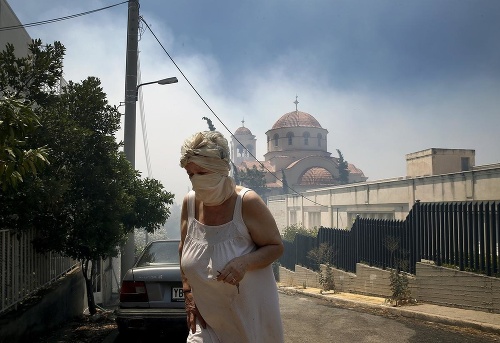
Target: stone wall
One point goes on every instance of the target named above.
(66, 299)
(431, 284)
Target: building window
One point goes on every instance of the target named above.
(306, 138)
(319, 139)
(314, 219)
(276, 138)
(289, 135)
(240, 150)
(293, 217)
(465, 163)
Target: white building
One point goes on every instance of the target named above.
(296, 153)
(16, 34)
(433, 175)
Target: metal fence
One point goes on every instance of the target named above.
(23, 271)
(464, 235)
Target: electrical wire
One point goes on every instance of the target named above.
(50, 21)
(216, 116)
(143, 122)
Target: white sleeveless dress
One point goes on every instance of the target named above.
(253, 315)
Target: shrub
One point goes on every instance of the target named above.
(326, 278)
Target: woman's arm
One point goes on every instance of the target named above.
(265, 234)
(263, 230)
(191, 309)
(183, 228)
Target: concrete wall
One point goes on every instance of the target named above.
(66, 299)
(438, 161)
(445, 286)
(431, 284)
(367, 280)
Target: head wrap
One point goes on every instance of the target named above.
(208, 149)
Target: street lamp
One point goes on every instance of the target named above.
(166, 81)
(127, 258)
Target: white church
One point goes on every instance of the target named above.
(296, 153)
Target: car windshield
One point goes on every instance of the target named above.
(162, 252)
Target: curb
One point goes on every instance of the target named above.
(435, 318)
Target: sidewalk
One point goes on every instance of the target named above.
(479, 320)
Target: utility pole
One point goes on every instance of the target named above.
(128, 253)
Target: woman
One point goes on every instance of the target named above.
(228, 241)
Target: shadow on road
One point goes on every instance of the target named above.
(146, 337)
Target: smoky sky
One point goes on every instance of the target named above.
(385, 78)
(396, 45)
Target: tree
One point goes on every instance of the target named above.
(343, 167)
(285, 182)
(324, 254)
(105, 197)
(291, 231)
(254, 179)
(236, 174)
(211, 127)
(89, 198)
(16, 161)
(25, 84)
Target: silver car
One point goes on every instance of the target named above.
(151, 296)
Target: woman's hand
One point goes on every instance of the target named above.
(192, 313)
(234, 271)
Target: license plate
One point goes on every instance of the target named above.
(177, 294)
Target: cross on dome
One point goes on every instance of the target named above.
(296, 102)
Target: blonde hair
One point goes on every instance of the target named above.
(208, 149)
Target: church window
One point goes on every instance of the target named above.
(306, 138)
(319, 139)
(276, 138)
(289, 135)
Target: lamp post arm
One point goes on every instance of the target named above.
(166, 81)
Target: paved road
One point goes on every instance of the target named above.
(312, 320)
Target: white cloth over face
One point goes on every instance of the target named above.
(209, 149)
(250, 316)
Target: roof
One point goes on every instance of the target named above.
(257, 164)
(296, 119)
(317, 176)
(243, 131)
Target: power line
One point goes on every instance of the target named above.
(55, 20)
(216, 116)
(143, 122)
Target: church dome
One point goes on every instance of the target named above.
(296, 119)
(316, 176)
(242, 131)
